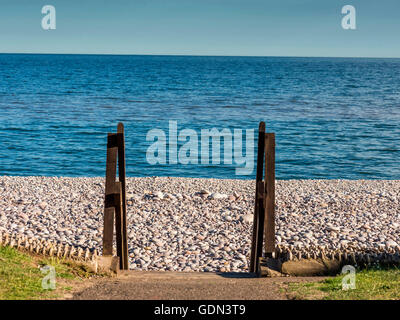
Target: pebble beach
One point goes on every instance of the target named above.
(193, 224)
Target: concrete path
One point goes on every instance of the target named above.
(140, 285)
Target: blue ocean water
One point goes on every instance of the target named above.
(333, 117)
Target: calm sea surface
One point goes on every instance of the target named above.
(333, 117)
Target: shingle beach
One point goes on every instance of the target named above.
(188, 224)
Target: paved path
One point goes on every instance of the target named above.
(140, 285)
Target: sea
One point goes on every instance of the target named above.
(333, 118)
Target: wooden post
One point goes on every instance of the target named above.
(264, 208)
(258, 217)
(109, 207)
(115, 198)
(108, 231)
(269, 226)
(119, 224)
(121, 175)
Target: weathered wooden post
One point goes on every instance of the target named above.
(264, 208)
(258, 217)
(121, 175)
(115, 198)
(269, 224)
(109, 208)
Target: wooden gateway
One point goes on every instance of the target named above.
(115, 200)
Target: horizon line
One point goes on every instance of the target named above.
(194, 55)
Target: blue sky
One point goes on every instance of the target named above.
(203, 27)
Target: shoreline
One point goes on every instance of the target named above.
(174, 224)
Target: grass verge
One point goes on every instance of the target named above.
(21, 276)
(371, 284)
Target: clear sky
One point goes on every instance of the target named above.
(202, 27)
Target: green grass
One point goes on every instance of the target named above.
(371, 284)
(21, 277)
